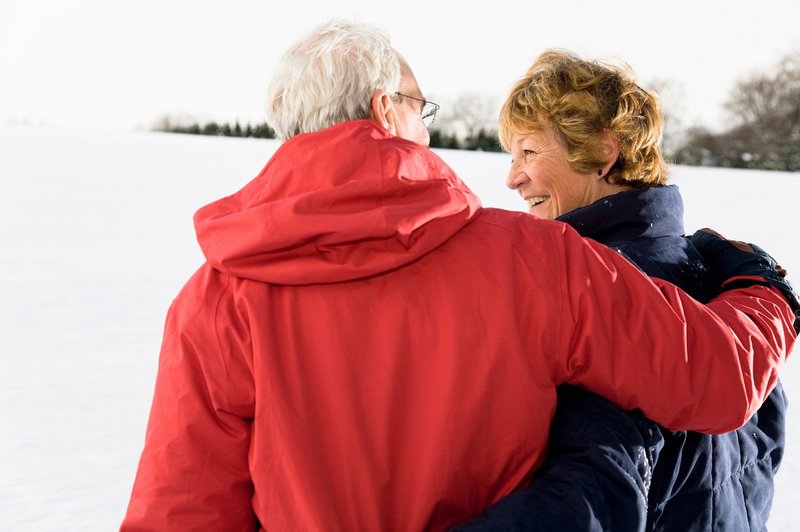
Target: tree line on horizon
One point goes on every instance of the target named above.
(224, 129)
(763, 112)
(483, 139)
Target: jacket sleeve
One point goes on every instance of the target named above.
(642, 342)
(193, 472)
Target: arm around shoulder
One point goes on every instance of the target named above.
(644, 343)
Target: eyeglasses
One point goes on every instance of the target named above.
(428, 112)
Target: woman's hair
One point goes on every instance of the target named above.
(329, 76)
(579, 99)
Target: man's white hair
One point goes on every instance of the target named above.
(329, 77)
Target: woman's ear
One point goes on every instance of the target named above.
(383, 112)
(609, 147)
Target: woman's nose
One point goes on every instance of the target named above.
(515, 178)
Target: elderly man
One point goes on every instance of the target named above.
(366, 348)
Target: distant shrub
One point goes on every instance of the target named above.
(262, 130)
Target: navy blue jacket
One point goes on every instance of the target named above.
(608, 469)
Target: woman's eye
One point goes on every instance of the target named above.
(525, 154)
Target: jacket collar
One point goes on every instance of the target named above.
(629, 215)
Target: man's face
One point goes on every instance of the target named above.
(409, 111)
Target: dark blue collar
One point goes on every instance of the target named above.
(630, 215)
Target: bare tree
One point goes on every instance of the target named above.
(468, 114)
(764, 110)
(764, 97)
(671, 96)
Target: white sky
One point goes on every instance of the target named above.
(122, 64)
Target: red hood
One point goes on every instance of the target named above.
(344, 203)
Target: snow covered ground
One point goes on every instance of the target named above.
(97, 238)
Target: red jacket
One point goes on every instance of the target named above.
(368, 349)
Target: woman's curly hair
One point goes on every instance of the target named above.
(579, 99)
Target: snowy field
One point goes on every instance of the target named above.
(97, 238)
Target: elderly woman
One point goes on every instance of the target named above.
(585, 141)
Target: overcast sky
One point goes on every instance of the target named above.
(123, 64)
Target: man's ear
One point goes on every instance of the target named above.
(383, 112)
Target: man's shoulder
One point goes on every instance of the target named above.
(498, 235)
(519, 224)
(203, 292)
(210, 299)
